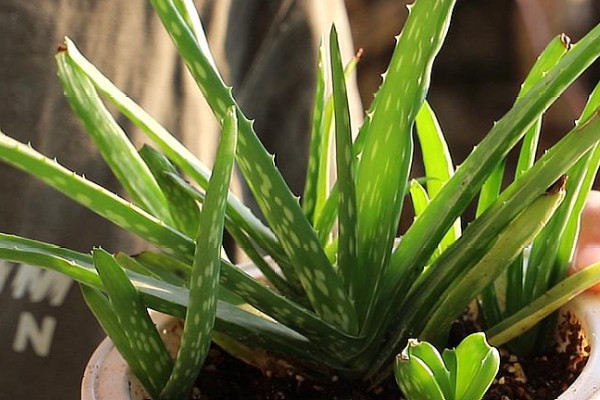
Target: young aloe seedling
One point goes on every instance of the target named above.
(461, 374)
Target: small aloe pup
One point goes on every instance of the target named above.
(464, 373)
(341, 296)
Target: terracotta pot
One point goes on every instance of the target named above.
(107, 377)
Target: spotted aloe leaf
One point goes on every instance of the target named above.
(323, 194)
(204, 280)
(157, 261)
(309, 198)
(151, 270)
(129, 310)
(246, 244)
(281, 209)
(329, 212)
(483, 230)
(510, 242)
(347, 256)
(385, 162)
(170, 299)
(174, 150)
(421, 239)
(183, 209)
(187, 10)
(291, 314)
(116, 149)
(76, 265)
(106, 315)
(280, 308)
(94, 197)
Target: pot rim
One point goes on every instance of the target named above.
(586, 307)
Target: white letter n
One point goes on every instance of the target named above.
(40, 337)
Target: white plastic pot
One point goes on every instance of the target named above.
(107, 377)
(586, 307)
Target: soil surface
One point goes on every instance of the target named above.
(543, 377)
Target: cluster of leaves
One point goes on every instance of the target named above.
(464, 373)
(344, 299)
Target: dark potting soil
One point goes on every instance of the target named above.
(543, 377)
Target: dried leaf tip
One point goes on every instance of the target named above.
(566, 40)
(558, 186)
(359, 54)
(61, 48)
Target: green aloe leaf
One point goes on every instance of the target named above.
(491, 151)
(544, 253)
(385, 162)
(436, 156)
(437, 162)
(555, 50)
(431, 357)
(161, 296)
(464, 373)
(551, 55)
(204, 281)
(187, 10)
(420, 200)
(174, 150)
(162, 262)
(475, 239)
(76, 265)
(419, 197)
(183, 209)
(324, 172)
(247, 245)
(104, 312)
(421, 239)
(264, 299)
(151, 270)
(415, 378)
(347, 256)
(309, 198)
(473, 366)
(328, 216)
(537, 310)
(111, 141)
(545, 267)
(323, 287)
(94, 197)
(133, 318)
(510, 242)
(288, 313)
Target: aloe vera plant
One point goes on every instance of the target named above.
(342, 293)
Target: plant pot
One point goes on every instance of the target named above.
(107, 376)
